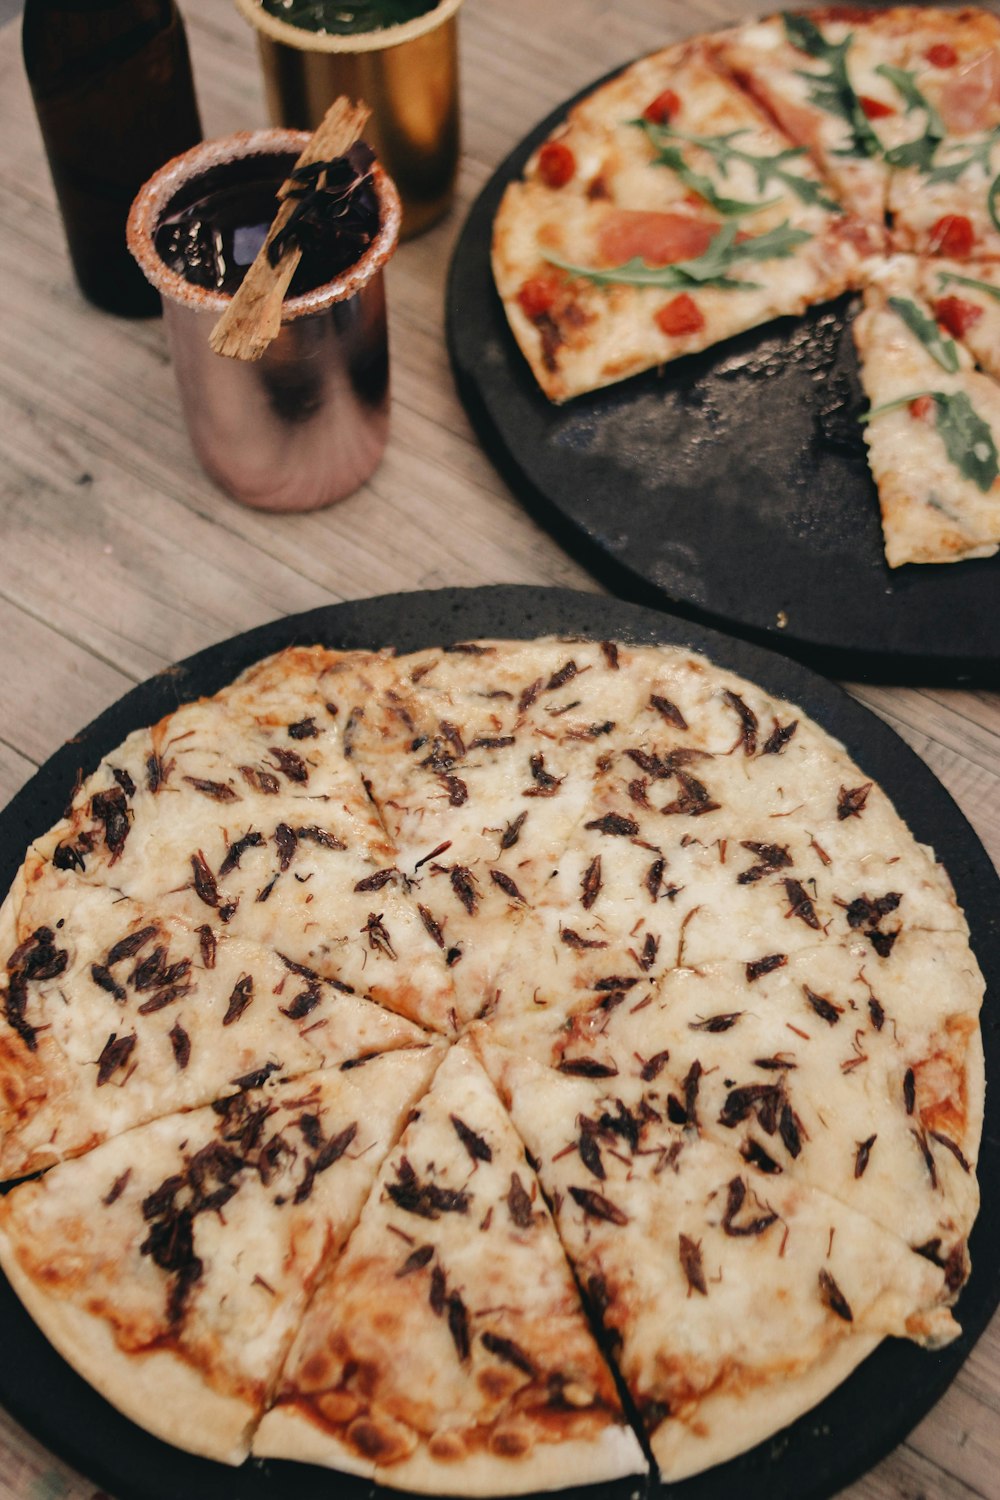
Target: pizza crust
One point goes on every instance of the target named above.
(730, 1422)
(611, 1454)
(157, 1390)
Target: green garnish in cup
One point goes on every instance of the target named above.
(347, 17)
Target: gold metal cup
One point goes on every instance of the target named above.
(408, 75)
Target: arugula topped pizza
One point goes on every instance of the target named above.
(753, 173)
(409, 1055)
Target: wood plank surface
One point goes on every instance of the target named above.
(118, 556)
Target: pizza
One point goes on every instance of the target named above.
(930, 426)
(965, 299)
(404, 1057)
(750, 174)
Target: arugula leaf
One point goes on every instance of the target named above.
(981, 286)
(968, 440)
(919, 152)
(937, 344)
(708, 269)
(991, 201)
(670, 156)
(978, 155)
(724, 154)
(833, 91)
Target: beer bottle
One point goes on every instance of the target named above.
(111, 81)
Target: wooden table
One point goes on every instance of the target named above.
(119, 556)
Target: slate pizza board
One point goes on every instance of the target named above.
(819, 1454)
(730, 486)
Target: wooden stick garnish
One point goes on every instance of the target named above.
(253, 318)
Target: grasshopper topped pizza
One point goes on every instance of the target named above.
(750, 174)
(410, 1053)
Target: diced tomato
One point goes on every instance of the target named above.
(537, 296)
(951, 235)
(921, 408)
(659, 239)
(941, 55)
(681, 315)
(556, 164)
(956, 315)
(874, 108)
(662, 108)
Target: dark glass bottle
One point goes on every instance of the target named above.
(111, 81)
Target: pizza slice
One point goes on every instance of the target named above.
(447, 1351)
(112, 1014)
(479, 759)
(965, 299)
(944, 136)
(735, 1301)
(810, 71)
(666, 213)
(725, 826)
(860, 1079)
(172, 1265)
(932, 430)
(244, 810)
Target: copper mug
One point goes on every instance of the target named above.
(406, 74)
(308, 423)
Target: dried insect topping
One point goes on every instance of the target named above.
(851, 802)
(217, 791)
(736, 1195)
(508, 1351)
(863, 1155)
(833, 1298)
(508, 886)
(415, 1261)
(428, 1200)
(779, 737)
(546, 785)
(800, 905)
(237, 849)
(378, 935)
(512, 832)
(614, 824)
(824, 1007)
(478, 1148)
(770, 857)
(239, 999)
(749, 722)
(694, 800)
(290, 763)
(596, 1206)
(111, 809)
(691, 1264)
(519, 1203)
(758, 967)
(591, 883)
(668, 711)
(114, 1056)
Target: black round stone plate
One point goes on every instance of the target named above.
(731, 486)
(815, 1457)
